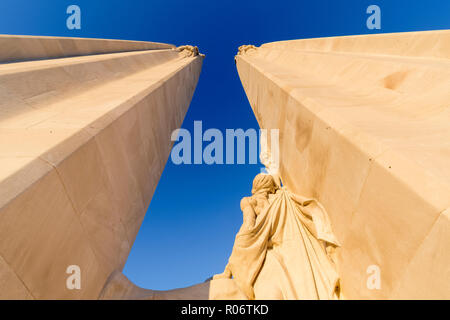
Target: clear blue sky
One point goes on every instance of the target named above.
(189, 229)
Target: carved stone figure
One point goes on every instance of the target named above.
(244, 48)
(282, 249)
(189, 51)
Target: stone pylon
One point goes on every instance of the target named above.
(364, 128)
(85, 132)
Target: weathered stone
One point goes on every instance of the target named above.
(364, 129)
(84, 136)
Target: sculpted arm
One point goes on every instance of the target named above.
(248, 214)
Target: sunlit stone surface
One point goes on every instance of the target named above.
(364, 128)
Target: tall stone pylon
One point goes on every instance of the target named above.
(364, 128)
(85, 132)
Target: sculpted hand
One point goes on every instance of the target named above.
(224, 275)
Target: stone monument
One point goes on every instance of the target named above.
(85, 128)
(358, 207)
(364, 129)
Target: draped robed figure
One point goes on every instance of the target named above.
(282, 250)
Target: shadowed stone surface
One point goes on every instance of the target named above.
(84, 137)
(120, 288)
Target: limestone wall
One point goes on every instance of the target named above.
(84, 136)
(21, 48)
(364, 128)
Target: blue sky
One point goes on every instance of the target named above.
(189, 229)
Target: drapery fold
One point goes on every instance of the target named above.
(283, 255)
